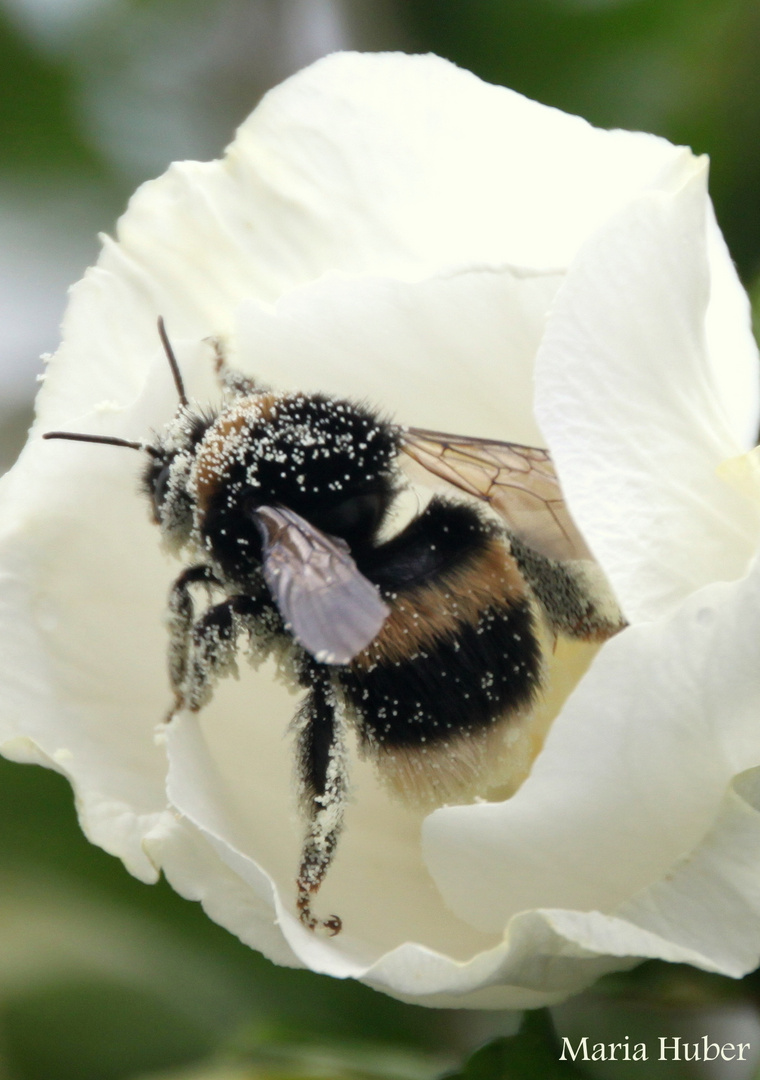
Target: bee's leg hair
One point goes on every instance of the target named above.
(233, 383)
(575, 596)
(180, 617)
(214, 645)
(323, 788)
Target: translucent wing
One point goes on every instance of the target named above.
(331, 609)
(519, 482)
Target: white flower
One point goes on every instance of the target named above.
(391, 228)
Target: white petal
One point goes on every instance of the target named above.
(387, 165)
(86, 688)
(454, 352)
(195, 871)
(731, 344)
(231, 777)
(628, 403)
(710, 901)
(425, 165)
(545, 956)
(644, 748)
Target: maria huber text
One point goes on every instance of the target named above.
(669, 1048)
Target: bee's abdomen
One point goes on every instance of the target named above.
(459, 650)
(459, 684)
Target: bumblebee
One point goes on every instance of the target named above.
(427, 642)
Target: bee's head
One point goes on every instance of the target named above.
(330, 461)
(164, 478)
(166, 475)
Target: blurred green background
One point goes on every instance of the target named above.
(101, 977)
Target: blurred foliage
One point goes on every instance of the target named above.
(39, 129)
(95, 1029)
(102, 977)
(534, 1052)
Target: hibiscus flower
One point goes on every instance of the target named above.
(389, 228)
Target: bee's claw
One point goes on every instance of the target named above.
(332, 925)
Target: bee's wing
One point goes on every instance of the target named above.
(330, 608)
(519, 482)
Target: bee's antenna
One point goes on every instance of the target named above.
(172, 361)
(109, 440)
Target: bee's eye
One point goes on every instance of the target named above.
(160, 486)
(358, 514)
(155, 482)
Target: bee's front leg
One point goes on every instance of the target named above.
(202, 650)
(323, 778)
(212, 655)
(180, 618)
(233, 383)
(213, 644)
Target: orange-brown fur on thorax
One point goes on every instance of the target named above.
(220, 441)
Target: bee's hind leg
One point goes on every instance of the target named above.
(323, 783)
(575, 597)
